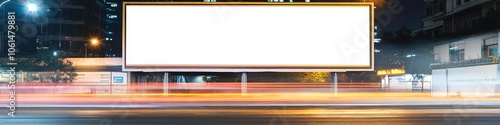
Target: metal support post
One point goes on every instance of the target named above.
(334, 87)
(243, 83)
(166, 79)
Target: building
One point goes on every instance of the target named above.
(113, 29)
(58, 25)
(466, 34)
(457, 17)
(467, 66)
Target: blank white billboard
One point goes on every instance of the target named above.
(248, 37)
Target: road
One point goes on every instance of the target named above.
(258, 115)
(293, 108)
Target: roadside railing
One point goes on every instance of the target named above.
(465, 63)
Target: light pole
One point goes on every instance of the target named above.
(94, 42)
(33, 8)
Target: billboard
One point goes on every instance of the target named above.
(247, 37)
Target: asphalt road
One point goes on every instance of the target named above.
(259, 115)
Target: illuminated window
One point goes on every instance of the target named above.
(112, 16)
(490, 47)
(457, 51)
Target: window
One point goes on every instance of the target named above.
(459, 2)
(490, 47)
(428, 11)
(457, 55)
(434, 7)
(73, 14)
(112, 4)
(457, 52)
(442, 5)
(467, 20)
(112, 16)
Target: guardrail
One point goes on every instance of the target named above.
(465, 63)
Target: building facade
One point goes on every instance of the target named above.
(467, 66)
(456, 17)
(58, 25)
(466, 50)
(113, 38)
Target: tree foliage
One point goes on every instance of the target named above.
(402, 50)
(301, 77)
(349, 77)
(394, 48)
(400, 37)
(49, 67)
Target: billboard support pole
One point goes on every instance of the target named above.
(243, 83)
(387, 83)
(166, 79)
(334, 87)
(446, 77)
(129, 82)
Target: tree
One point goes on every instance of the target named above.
(302, 77)
(404, 50)
(313, 77)
(418, 65)
(55, 67)
(392, 54)
(400, 37)
(403, 35)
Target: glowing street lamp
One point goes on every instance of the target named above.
(32, 7)
(94, 42)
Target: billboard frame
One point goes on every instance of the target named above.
(340, 68)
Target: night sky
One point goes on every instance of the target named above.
(410, 16)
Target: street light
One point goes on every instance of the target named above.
(94, 42)
(32, 7)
